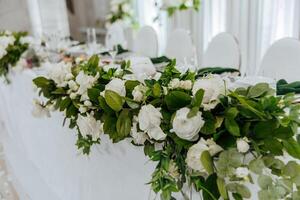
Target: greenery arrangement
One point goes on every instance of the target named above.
(171, 6)
(12, 47)
(121, 10)
(200, 133)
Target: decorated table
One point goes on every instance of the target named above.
(79, 128)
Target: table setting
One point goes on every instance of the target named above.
(84, 124)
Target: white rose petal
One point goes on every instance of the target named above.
(142, 68)
(88, 125)
(82, 109)
(213, 87)
(149, 119)
(242, 145)
(85, 82)
(138, 136)
(117, 85)
(138, 93)
(58, 72)
(193, 159)
(187, 128)
(242, 172)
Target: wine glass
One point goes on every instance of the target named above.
(91, 40)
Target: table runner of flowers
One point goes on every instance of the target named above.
(200, 132)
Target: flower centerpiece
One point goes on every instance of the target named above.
(215, 140)
(17, 50)
(171, 6)
(121, 10)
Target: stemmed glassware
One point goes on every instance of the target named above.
(91, 40)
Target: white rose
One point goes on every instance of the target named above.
(213, 86)
(187, 128)
(3, 52)
(58, 72)
(117, 85)
(82, 109)
(85, 82)
(138, 93)
(142, 68)
(193, 159)
(73, 85)
(176, 83)
(39, 110)
(88, 125)
(138, 136)
(126, 8)
(5, 41)
(242, 145)
(149, 121)
(242, 172)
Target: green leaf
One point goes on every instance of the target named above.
(193, 112)
(222, 188)
(197, 100)
(210, 123)
(240, 189)
(177, 99)
(211, 191)
(257, 166)
(207, 162)
(41, 82)
(93, 61)
(130, 85)
(292, 147)
(104, 105)
(131, 103)
(284, 132)
(264, 181)
(292, 169)
(258, 90)
(232, 112)
(59, 91)
(156, 90)
(114, 100)
(93, 94)
(274, 146)
(265, 129)
(65, 103)
(232, 127)
(124, 123)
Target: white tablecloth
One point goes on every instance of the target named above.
(44, 160)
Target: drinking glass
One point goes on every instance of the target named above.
(91, 40)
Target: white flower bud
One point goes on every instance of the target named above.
(82, 109)
(242, 145)
(87, 103)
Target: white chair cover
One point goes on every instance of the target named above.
(223, 51)
(146, 42)
(129, 36)
(282, 60)
(115, 35)
(180, 46)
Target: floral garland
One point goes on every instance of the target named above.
(120, 11)
(171, 6)
(12, 47)
(211, 138)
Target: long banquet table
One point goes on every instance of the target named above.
(45, 163)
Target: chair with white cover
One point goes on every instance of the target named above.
(146, 42)
(282, 60)
(222, 51)
(115, 36)
(180, 46)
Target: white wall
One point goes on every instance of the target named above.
(14, 15)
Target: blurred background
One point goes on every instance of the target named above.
(256, 24)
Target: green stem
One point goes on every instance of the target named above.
(208, 192)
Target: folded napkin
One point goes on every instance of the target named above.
(161, 59)
(216, 70)
(118, 48)
(283, 87)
